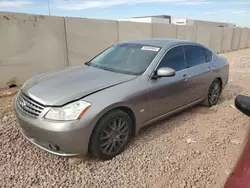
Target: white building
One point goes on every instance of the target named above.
(150, 19)
(177, 21)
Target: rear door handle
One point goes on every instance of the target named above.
(210, 69)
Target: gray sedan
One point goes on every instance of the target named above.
(97, 107)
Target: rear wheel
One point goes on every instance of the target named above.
(213, 93)
(111, 135)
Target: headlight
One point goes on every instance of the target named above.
(70, 111)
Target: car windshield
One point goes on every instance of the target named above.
(126, 58)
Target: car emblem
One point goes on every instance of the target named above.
(23, 103)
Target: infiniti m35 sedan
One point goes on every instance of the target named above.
(97, 107)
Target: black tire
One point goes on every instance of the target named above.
(209, 101)
(99, 136)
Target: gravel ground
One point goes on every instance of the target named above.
(196, 148)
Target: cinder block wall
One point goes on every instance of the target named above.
(34, 44)
(88, 37)
(30, 45)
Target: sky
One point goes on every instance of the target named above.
(237, 11)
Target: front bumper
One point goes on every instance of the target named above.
(62, 138)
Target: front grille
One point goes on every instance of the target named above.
(28, 107)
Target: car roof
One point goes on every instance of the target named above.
(160, 42)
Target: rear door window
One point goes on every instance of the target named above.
(209, 55)
(195, 55)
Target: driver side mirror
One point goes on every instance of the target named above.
(164, 72)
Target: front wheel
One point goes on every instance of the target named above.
(111, 135)
(213, 94)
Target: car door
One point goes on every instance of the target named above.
(166, 94)
(199, 71)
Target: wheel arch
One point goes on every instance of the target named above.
(123, 108)
(220, 80)
(131, 115)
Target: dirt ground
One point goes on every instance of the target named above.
(196, 148)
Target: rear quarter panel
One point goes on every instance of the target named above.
(221, 66)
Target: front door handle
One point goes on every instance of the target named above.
(186, 77)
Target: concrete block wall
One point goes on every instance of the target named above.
(227, 39)
(164, 31)
(88, 37)
(244, 39)
(187, 33)
(216, 39)
(34, 44)
(30, 45)
(248, 38)
(236, 39)
(203, 35)
(132, 30)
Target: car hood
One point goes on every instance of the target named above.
(63, 86)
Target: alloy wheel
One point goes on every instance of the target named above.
(114, 136)
(214, 93)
